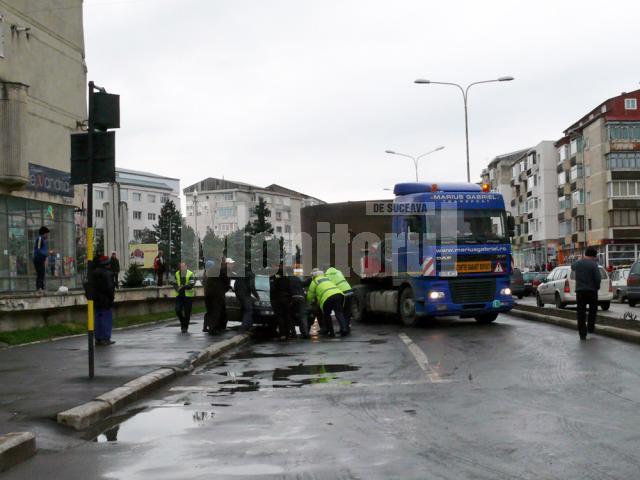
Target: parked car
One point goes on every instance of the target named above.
(149, 280)
(633, 284)
(540, 278)
(560, 288)
(528, 278)
(516, 283)
(619, 283)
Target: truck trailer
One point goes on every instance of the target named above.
(436, 249)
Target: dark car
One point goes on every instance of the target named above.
(516, 283)
(633, 284)
(528, 278)
(262, 311)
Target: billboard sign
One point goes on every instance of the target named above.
(143, 254)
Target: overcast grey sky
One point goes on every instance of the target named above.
(309, 94)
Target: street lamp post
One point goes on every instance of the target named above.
(415, 159)
(195, 213)
(465, 96)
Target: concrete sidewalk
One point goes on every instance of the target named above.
(38, 381)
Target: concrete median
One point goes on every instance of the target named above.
(15, 448)
(546, 317)
(85, 415)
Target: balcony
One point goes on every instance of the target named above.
(561, 217)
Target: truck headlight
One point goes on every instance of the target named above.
(505, 291)
(435, 295)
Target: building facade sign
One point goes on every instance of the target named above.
(49, 180)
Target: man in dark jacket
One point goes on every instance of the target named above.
(587, 275)
(215, 286)
(245, 290)
(115, 269)
(298, 307)
(160, 267)
(40, 254)
(103, 296)
(280, 300)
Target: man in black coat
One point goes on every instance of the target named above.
(280, 301)
(215, 286)
(298, 307)
(587, 275)
(245, 290)
(103, 294)
(115, 268)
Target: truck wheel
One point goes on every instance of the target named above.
(605, 306)
(539, 300)
(408, 308)
(559, 303)
(358, 313)
(486, 318)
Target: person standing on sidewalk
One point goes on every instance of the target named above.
(215, 287)
(184, 292)
(160, 268)
(115, 269)
(40, 255)
(588, 278)
(103, 297)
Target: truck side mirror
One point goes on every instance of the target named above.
(511, 226)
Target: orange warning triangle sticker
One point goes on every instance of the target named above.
(498, 268)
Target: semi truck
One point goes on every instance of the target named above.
(436, 249)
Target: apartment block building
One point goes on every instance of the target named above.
(535, 207)
(599, 182)
(498, 174)
(122, 210)
(225, 206)
(42, 101)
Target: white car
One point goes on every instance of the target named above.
(560, 288)
(619, 283)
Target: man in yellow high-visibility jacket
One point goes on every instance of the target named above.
(184, 293)
(337, 277)
(330, 299)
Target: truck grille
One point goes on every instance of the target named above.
(472, 290)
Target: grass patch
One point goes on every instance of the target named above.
(19, 337)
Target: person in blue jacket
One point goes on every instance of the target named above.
(40, 255)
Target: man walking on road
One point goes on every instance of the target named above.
(185, 283)
(588, 279)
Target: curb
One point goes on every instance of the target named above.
(85, 415)
(604, 330)
(15, 448)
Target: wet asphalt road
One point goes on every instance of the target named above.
(511, 400)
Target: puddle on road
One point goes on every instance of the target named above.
(158, 422)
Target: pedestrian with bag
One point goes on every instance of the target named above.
(587, 274)
(184, 292)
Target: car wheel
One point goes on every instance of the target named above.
(605, 306)
(559, 303)
(486, 318)
(539, 302)
(520, 296)
(632, 303)
(407, 308)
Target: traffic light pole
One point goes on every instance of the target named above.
(90, 311)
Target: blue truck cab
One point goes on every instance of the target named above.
(451, 251)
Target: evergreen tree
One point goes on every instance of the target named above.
(212, 246)
(169, 228)
(260, 224)
(146, 236)
(134, 276)
(188, 250)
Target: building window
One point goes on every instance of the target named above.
(532, 181)
(562, 151)
(99, 213)
(287, 229)
(1, 36)
(124, 194)
(562, 178)
(623, 161)
(226, 212)
(165, 198)
(624, 131)
(228, 197)
(622, 189)
(630, 104)
(137, 197)
(577, 198)
(137, 234)
(278, 229)
(278, 216)
(151, 198)
(576, 172)
(151, 216)
(99, 194)
(137, 215)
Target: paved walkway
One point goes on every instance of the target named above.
(38, 381)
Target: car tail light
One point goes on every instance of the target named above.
(632, 280)
(567, 288)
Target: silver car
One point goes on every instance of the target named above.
(560, 288)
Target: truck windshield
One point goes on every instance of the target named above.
(467, 227)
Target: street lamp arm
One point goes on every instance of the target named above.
(429, 152)
(405, 155)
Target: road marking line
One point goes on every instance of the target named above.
(422, 359)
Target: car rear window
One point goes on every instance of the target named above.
(635, 268)
(603, 273)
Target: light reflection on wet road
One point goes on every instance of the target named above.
(515, 400)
